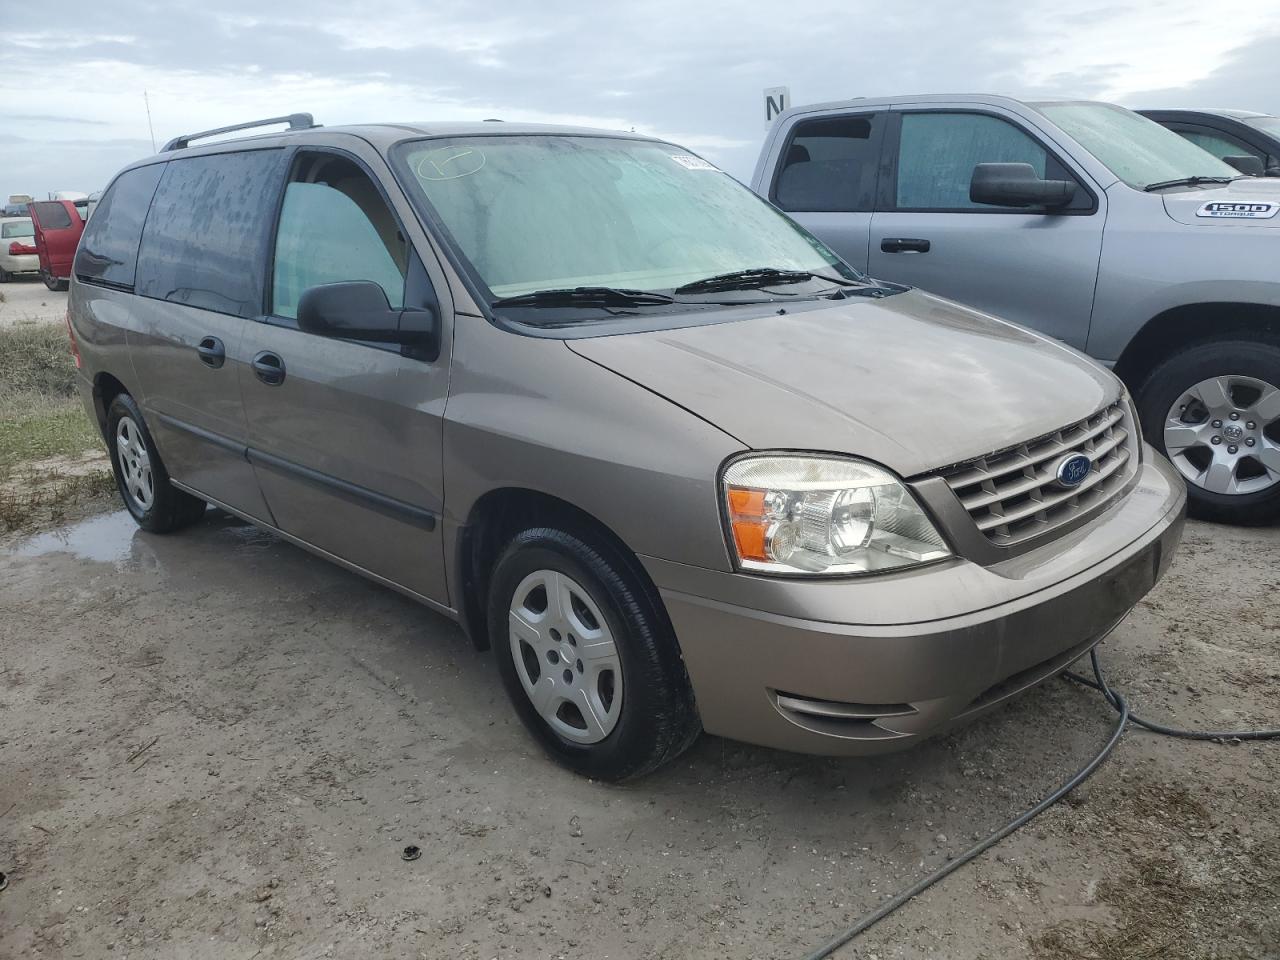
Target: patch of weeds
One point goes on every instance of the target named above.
(51, 499)
(51, 458)
(60, 429)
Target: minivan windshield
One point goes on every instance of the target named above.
(613, 219)
(1137, 150)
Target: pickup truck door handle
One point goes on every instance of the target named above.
(904, 245)
(212, 352)
(269, 368)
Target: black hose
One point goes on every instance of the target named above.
(1121, 706)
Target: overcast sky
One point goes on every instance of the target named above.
(71, 83)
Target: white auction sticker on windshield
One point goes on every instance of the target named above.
(1239, 210)
(690, 162)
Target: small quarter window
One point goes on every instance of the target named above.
(109, 248)
(335, 227)
(830, 165)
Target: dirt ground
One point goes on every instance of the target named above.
(214, 745)
(30, 301)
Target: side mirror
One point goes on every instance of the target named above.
(1247, 164)
(358, 310)
(1017, 185)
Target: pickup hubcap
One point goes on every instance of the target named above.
(1223, 434)
(135, 465)
(565, 656)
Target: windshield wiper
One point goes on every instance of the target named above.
(584, 297)
(1187, 182)
(751, 279)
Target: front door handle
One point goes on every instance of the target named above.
(212, 352)
(904, 245)
(268, 367)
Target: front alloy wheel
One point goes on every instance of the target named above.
(1219, 434)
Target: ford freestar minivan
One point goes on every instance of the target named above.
(676, 463)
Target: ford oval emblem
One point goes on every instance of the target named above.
(1073, 469)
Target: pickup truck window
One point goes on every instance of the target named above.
(830, 164)
(938, 151)
(1137, 150)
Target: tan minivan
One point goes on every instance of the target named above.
(676, 463)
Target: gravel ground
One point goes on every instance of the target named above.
(30, 301)
(214, 745)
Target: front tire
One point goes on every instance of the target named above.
(588, 656)
(156, 504)
(1214, 411)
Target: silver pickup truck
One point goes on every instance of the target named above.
(1082, 220)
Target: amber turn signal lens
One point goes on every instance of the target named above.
(747, 521)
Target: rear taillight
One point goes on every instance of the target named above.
(16, 249)
(75, 347)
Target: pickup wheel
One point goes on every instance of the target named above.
(156, 504)
(1214, 411)
(588, 656)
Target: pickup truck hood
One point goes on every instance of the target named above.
(913, 382)
(1187, 206)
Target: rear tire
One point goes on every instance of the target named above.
(52, 282)
(4, 275)
(156, 504)
(1233, 383)
(608, 647)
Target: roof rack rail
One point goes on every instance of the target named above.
(296, 121)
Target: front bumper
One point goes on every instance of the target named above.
(832, 667)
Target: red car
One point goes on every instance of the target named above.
(58, 224)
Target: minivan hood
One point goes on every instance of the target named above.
(913, 382)
(1185, 205)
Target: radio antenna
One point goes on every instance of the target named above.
(147, 103)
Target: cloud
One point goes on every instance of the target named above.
(1245, 80)
(692, 72)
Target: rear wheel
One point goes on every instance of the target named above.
(4, 275)
(1214, 411)
(155, 503)
(588, 657)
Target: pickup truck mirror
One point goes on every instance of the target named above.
(1247, 164)
(358, 310)
(1017, 185)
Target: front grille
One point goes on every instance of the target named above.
(1013, 495)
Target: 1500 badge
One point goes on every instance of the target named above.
(1239, 210)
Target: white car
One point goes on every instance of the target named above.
(17, 247)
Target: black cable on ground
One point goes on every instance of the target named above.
(1121, 706)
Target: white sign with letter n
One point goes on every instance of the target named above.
(776, 99)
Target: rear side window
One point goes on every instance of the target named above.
(52, 215)
(206, 239)
(22, 228)
(830, 164)
(109, 248)
(938, 151)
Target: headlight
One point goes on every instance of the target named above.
(824, 515)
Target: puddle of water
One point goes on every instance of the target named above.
(104, 539)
